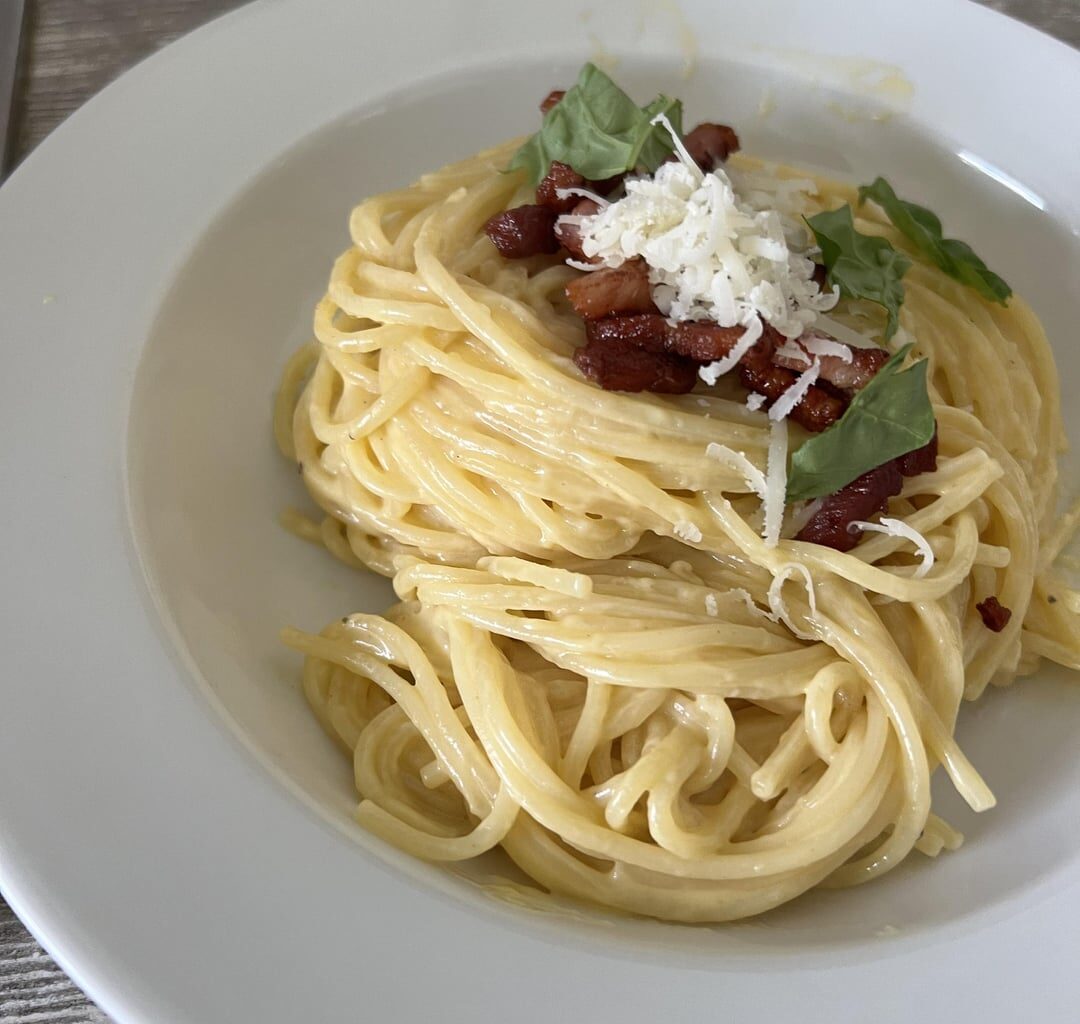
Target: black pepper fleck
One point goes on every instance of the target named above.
(1051, 599)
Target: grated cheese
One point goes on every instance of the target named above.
(898, 528)
(580, 265)
(818, 346)
(792, 350)
(847, 335)
(711, 372)
(754, 401)
(680, 149)
(710, 605)
(688, 532)
(775, 481)
(796, 393)
(712, 253)
(755, 479)
(744, 596)
(583, 193)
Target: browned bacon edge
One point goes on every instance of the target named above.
(551, 100)
(560, 176)
(523, 231)
(710, 144)
(569, 233)
(850, 375)
(864, 497)
(757, 371)
(612, 291)
(617, 368)
(994, 614)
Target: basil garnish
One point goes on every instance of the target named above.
(923, 229)
(599, 131)
(891, 416)
(862, 266)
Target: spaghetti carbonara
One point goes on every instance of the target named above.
(619, 654)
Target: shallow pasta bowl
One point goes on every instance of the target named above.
(173, 824)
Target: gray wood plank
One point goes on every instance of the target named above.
(32, 987)
(11, 20)
(1059, 18)
(73, 49)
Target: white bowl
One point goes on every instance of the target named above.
(162, 255)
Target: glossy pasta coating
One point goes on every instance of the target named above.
(597, 664)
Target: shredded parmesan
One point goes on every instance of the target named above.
(898, 528)
(712, 253)
(847, 335)
(744, 595)
(780, 612)
(680, 149)
(688, 532)
(711, 372)
(793, 351)
(754, 401)
(755, 479)
(796, 393)
(775, 482)
(710, 605)
(581, 265)
(584, 193)
(818, 346)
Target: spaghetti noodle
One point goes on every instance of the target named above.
(598, 662)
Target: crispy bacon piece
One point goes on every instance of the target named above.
(705, 342)
(699, 341)
(994, 614)
(711, 144)
(616, 367)
(759, 373)
(612, 291)
(921, 460)
(559, 176)
(569, 234)
(551, 99)
(523, 231)
(852, 376)
(865, 363)
(863, 497)
(829, 525)
(648, 331)
(791, 361)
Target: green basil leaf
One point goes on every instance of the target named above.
(656, 145)
(923, 229)
(891, 416)
(599, 131)
(532, 157)
(862, 266)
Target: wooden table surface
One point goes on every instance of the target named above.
(71, 49)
